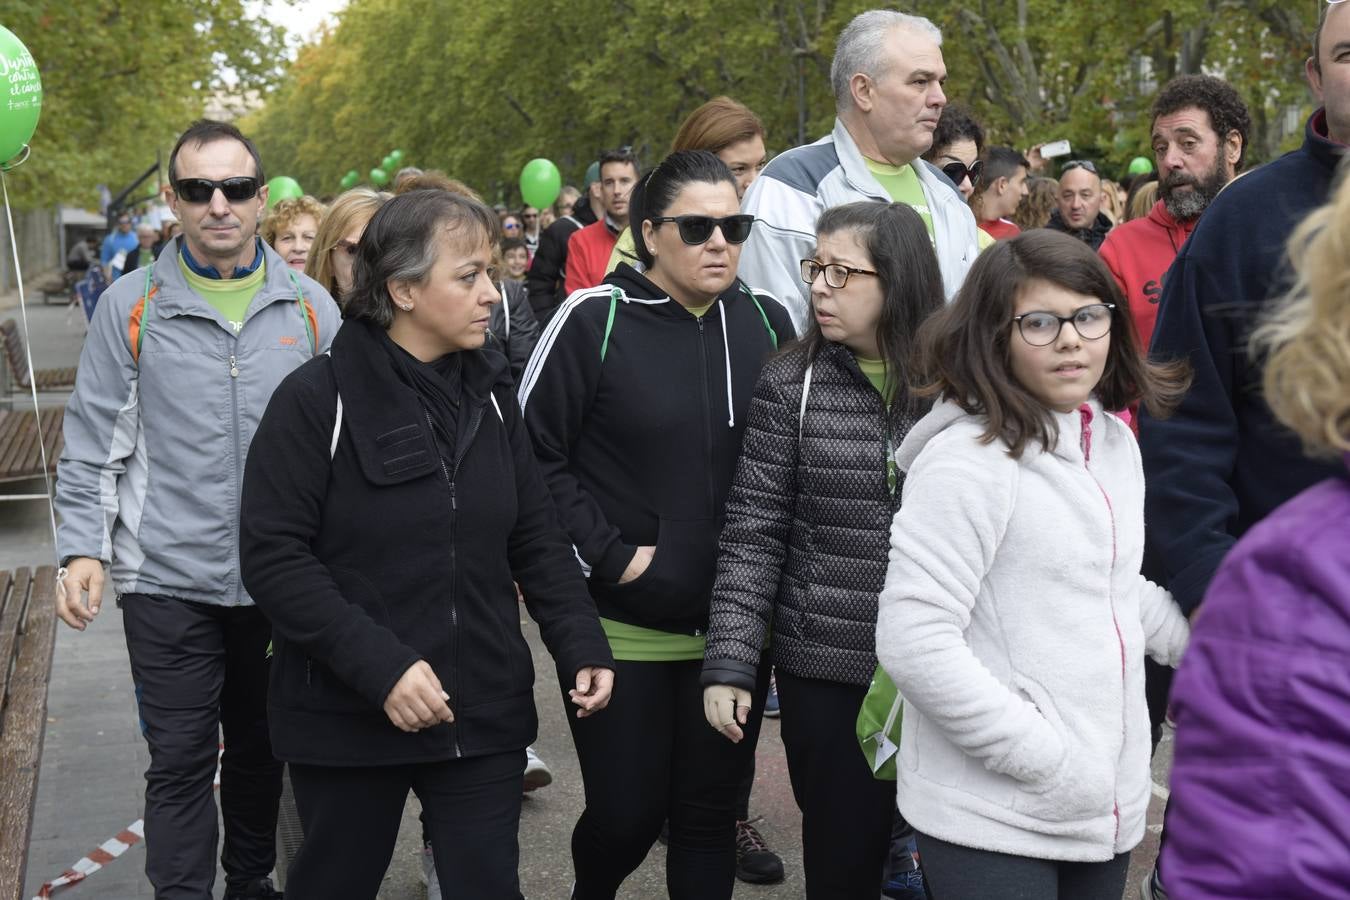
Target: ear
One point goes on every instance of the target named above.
(862, 89)
(1314, 78)
(648, 232)
(1232, 147)
(999, 185)
(402, 292)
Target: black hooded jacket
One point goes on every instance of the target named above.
(1093, 236)
(636, 408)
(386, 547)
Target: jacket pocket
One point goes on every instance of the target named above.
(1082, 786)
(678, 582)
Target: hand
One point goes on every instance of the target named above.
(83, 576)
(418, 701)
(1037, 161)
(638, 564)
(727, 708)
(594, 685)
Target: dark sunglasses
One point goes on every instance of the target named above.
(347, 247)
(1079, 164)
(958, 171)
(698, 229)
(201, 190)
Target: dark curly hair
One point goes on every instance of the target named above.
(956, 124)
(1227, 111)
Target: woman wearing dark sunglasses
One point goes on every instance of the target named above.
(958, 142)
(808, 527)
(636, 398)
(334, 249)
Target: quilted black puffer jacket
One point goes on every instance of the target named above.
(804, 549)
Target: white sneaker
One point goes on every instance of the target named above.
(429, 873)
(537, 774)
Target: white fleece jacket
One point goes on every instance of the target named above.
(1014, 622)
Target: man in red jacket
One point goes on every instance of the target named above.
(1200, 127)
(589, 249)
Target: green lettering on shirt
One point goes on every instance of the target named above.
(228, 296)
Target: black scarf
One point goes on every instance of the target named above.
(437, 384)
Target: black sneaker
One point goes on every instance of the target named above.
(1151, 888)
(261, 889)
(755, 862)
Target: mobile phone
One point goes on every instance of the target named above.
(1055, 148)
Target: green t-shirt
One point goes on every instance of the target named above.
(144, 257)
(634, 643)
(902, 183)
(875, 370)
(229, 296)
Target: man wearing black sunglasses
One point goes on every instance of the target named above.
(887, 76)
(180, 362)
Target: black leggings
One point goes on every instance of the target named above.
(954, 872)
(651, 757)
(846, 813)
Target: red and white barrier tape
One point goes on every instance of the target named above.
(104, 853)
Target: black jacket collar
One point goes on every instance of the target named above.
(384, 417)
(1316, 143)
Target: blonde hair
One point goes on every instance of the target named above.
(1111, 204)
(1145, 196)
(1307, 335)
(348, 210)
(287, 212)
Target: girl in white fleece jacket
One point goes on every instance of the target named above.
(1014, 619)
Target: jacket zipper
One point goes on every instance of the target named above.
(1086, 416)
(707, 410)
(450, 476)
(238, 465)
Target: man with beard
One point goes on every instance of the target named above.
(1200, 127)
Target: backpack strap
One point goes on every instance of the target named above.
(506, 315)
(806, 389)
(139, 320)
(614, 295)
(308, 314)
(773, 335)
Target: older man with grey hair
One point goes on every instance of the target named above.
(887, 76)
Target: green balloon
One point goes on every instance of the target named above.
(379, 177)
(283, 187)
(396, 156)
(540, 182)
(350, 179)
(20, 95)
(389, 164)
(1140, 165)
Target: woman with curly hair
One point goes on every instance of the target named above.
(290, 228)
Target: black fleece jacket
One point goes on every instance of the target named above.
(544, 280)
(639, 449)
(393, 551)
(1093, 236)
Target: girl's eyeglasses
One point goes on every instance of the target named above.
(698, 229)
(836, 274)
(1040, 329)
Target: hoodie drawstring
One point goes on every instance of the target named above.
(726, 352)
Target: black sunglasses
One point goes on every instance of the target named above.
(201, 190)
(698, 229)
(1079, 164)
(957, 171)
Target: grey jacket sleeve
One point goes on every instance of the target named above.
(753, 547)
(783, 235)
(102, 428)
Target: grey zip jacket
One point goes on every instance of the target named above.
(167, 398)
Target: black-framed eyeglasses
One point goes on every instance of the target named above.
(699, 229)
(201, 190)
(1079, 164)
(958, 171)
(836, 274)
(1040, 329)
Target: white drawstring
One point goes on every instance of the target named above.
(506, 309)
(726, 351)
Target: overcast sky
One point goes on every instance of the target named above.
(303, 18)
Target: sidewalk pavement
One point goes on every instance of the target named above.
(91, 783)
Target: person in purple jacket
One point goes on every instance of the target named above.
(1262, 699)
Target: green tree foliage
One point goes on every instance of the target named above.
(478, 89)
(121, 79)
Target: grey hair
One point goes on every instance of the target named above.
(861, 47)
(402, 242)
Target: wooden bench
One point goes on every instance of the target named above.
(17, 363)
(27, 638)
(20, 457)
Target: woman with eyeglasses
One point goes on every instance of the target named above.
(334, 248)
(803, 553)
(636, 398)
